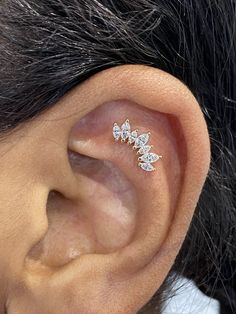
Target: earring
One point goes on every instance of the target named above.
(139, 142)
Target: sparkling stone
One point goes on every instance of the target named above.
(141, 140)
(146, 166)
(149, 157)
(144, 149)
(116, 132)
(132, 137)
(125, 130)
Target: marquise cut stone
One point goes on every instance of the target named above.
(147, 166)
(116, 132)
(132, 137)
(125, 130)
(149, 157)
(141, 140)
(144, 149)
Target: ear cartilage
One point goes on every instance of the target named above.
(140, 142)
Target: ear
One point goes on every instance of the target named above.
(110, 231)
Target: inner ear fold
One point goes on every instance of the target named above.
(118, 207)
(116, 199)
(147, 194)
(109, 198)
(101, 220)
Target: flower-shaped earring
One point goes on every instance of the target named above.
(139, 142)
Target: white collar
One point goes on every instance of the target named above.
(189, 299)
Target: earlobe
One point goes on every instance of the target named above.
(134, 220)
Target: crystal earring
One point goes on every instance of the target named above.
(139, 142)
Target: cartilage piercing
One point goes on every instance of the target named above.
(139, 142)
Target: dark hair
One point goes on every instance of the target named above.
(47, 47)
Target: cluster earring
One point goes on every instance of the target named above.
(140, 142)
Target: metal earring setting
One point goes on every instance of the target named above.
(139, 142)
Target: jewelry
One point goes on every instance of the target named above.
(139, 142)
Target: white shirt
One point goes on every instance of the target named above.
(190, 300)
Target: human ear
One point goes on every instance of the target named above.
(110, 231)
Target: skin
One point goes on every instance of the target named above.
(83, 228)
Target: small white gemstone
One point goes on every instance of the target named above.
(116, 131)
(146, 166)
(125, 130)
(149, 157)
(132, 137)
(144, 149)
(141, 140)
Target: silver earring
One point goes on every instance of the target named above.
(139, 142)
